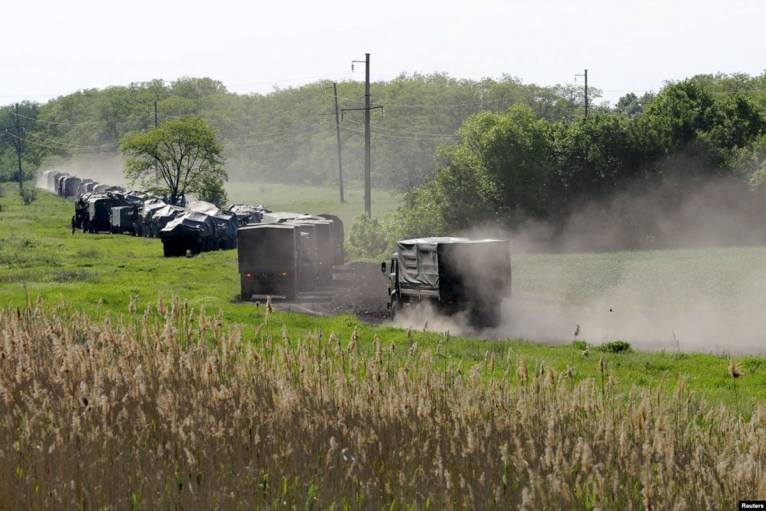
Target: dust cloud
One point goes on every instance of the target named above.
(676, 268)
(106, 168)
(423, 316)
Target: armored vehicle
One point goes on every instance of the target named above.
(225, 224)
(191, 232)
(156, 218)
(247, 214)
(225, 230)
(453, 274)
(269, 260)
(143, 222)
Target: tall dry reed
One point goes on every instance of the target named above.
(171, 409)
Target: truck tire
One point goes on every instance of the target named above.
(485, 315)
(396, 307)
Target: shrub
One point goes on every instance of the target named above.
(579, 345)
(367, 238)
(615, 347)
(28, 194)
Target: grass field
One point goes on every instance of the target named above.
(99, 275)
(175, 409)
(312, 199)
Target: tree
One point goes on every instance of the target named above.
(631, 105)
(33, 151)
(180, 157)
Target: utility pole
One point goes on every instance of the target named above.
(337, 136)
(586, 93)
(367, 150)
(367, 154)
(156, 115)
(19, 147)
(585, 75)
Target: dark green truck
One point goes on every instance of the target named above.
(453, 274)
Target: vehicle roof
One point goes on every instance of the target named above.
(437, 240)
(267, 226)
(279, 216)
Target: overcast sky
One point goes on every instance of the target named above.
(49, 48)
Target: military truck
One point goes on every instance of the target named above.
(99, 211)
(81, 217)
(453, 274)
(83, 187)
(269, 257)
(279, 217)
(70, 187)
(52, 180)
(123, 219)
(337, 237)
(321, 253)
(59, 186)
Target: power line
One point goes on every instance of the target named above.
(407, 137)
(51, 144)
(400, 132)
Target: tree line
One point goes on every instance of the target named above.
(514, 167)
(287, 134)
(466, 152)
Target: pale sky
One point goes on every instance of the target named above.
(54, 47)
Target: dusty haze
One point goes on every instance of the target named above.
(703, 288)
(675, 288)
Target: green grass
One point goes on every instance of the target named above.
(98, 274)
(661, 275)
(312, 199)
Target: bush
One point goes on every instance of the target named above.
(580, 345)
(367, 238)
(28, 194)
(615, 347)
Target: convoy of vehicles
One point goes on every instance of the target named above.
(283, 254)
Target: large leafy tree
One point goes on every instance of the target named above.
(179, 157)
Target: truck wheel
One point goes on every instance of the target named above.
(395, 309)
(485, 315)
